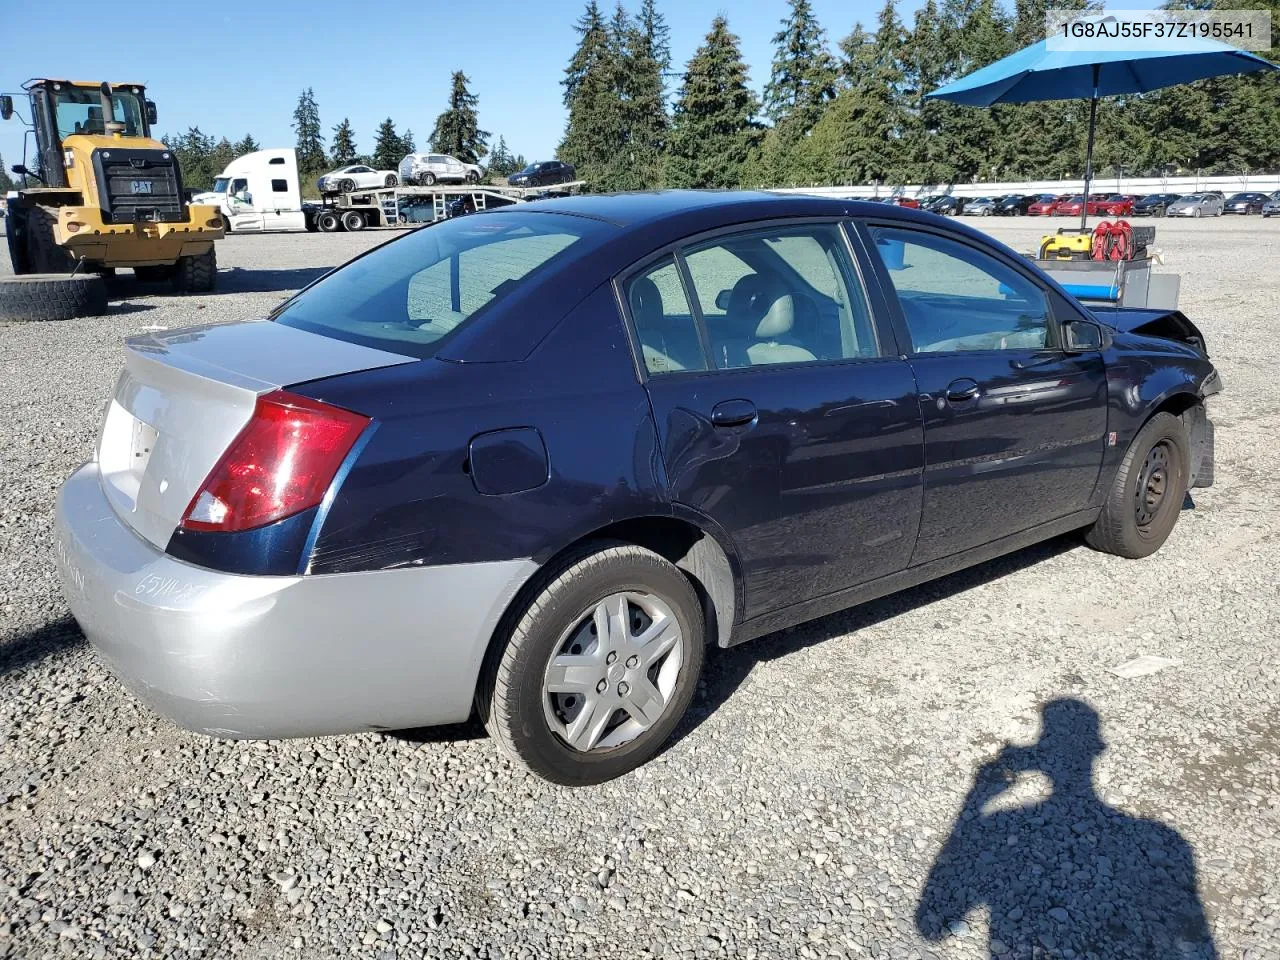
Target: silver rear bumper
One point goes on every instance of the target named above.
(266, 657)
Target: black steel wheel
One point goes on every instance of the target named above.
(1146, 495)
(346, 186)
(391, 180)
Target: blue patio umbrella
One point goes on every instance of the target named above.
(1040, 73)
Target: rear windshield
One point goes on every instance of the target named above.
(412, 293)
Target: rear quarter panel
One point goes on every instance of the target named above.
(410, 499)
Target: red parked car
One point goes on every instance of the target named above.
(1044, 207)
(905, 202)
(1118, 205)
(1072, 205)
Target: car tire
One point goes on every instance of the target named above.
(327, 221)
(1197, 213)
(353, 221)
(346, 186)
(198, 273)
(391, 181)
(1147, 492)
(52, 296)
(427, 179)
(533, 724)
(473, 177)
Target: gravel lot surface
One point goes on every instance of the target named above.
(821, 799)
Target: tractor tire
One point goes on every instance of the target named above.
(57, 296)
(15, 239)
(43, 253)
(198, 274)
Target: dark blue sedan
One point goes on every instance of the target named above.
(532, 462)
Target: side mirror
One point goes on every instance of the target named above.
(6, 106)
(722, 300)
(152, 116)
(1080, 336)
(22, 171)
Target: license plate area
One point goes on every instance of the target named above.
(124, 451)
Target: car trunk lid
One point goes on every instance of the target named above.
(183, 397)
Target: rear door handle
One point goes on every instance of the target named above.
(958, 391)
(733, 413)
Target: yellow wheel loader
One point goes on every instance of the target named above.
(102, 194)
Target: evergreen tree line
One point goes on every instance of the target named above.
(859, 115)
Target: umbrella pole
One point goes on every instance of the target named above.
(1088, 151)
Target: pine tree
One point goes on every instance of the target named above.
(501, 162)
(306, 124)
(407, 143)
(924, 70)
(344, 144)
(386, 147)
(194, 152)
(713, 128)
(457, 131)
(596, 136)
(247, 145)
(869, 125)
(804, 73)
(222, 154)
(645, 50)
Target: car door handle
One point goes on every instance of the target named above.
(958, 391)
(733, 413)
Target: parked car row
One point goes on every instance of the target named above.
(1208, 203)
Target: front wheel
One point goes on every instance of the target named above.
(327, 221)
(1147, 493)
(427, 179)
(391, 180)
(346, 186)
(598, 667)
(196, 274)
(1197, 213)
(473, 177)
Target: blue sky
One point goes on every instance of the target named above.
(238, 67)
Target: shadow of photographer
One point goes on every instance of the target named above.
(1066, 875)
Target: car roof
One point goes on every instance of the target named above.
(708, 209)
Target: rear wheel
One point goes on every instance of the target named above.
(327, 221)
(353, 220)
(391, 180)
(598, 667)
(57, 296)
(473, 177)
(196, 274)
(427, 179)
(1147, 493)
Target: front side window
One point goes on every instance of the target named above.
(957, 298)
(410, 294)
(787, 295)
(665, 327)
(79, 110)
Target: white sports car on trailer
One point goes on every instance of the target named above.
(356, 176)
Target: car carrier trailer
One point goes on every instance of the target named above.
(406, 205)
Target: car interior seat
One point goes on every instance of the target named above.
(759, 325)
(93, 121)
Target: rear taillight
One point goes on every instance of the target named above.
(281, 463)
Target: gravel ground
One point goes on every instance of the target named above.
(843, 789)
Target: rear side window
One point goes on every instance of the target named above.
(410, 294)
(957, 298)
(280, 186)
(781, 296)
(664, 323)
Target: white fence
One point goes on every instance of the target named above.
(1261, 183)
